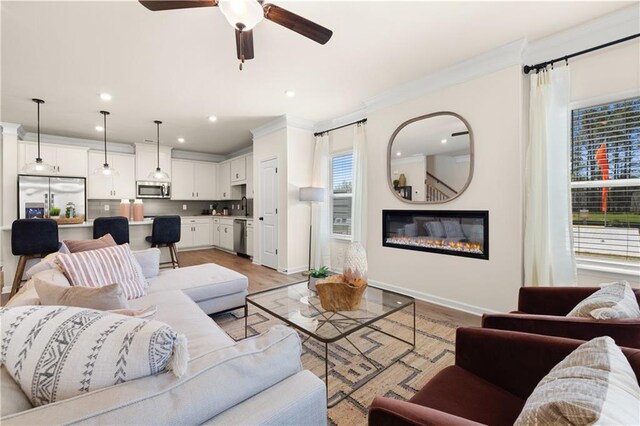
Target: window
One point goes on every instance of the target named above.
(605, 180)
(341, 197)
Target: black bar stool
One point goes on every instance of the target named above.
(31, 239)
(166, 233)
(117, 226)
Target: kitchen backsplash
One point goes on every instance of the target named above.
(96, 208)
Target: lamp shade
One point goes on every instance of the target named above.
(311, 193)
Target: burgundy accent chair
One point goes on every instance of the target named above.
(543, 310)
(494, 373)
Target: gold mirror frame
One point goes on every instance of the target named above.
(424, 117)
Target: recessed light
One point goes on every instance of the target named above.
(290, 93)
(398, 153)
(99, 129)
(105, 96)
(213, 118)
(181, 140)
(443, 141)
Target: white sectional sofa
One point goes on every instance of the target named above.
(259, 380)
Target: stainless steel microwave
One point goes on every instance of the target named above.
(150, 189)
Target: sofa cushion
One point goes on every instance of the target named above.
(181, 313)
(97, 268)
(613, 301)
(55, 352)
(594, 384)
(103, 298)
(12, 399)
(200, 282)
(213, 383)
(456, 391)
(149, 261)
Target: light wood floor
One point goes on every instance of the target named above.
(263, 278)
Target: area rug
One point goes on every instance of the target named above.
(434, 351)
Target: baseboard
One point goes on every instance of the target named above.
(437, 300)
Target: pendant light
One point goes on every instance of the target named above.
(105, 169)
(38, 166)
(158, 174)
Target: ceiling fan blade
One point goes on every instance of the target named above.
(297, 23)
(246, 47)
(156, 5)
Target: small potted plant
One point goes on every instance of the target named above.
(54, 213)
(317, 274)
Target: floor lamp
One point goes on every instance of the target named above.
(311, 194)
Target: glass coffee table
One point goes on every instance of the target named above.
(300, 308)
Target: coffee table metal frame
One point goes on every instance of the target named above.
(334, 318)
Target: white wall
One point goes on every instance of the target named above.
(415, 170)
(492, 104)
(452, 170)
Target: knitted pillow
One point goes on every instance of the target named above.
(97, 268)
(56, 352)
(613, 301)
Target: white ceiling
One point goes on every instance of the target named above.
(180, 66)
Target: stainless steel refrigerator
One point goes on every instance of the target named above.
(37, 195)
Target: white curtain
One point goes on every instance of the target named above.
(320, 253)
(548, 245)
(359, 191)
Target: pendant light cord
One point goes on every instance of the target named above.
(158, 123)
(38, 103)
(104, 117)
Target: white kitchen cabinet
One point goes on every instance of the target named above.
(182, 175)
(205, 177)
(195, 232)
(146, 160)
(102, 187)
(226, 237)
(249, 239)
(215, 234)
(238, 170)
(224, 181)
(193, 180)
(249, 163)
(67, 161)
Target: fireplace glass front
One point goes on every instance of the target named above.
(453, 232)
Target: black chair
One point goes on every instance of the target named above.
(166, 233)
(117, 226)
(31, 239)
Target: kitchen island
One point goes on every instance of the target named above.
(197, 232)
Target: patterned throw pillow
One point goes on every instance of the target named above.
(593, 385)
(97, 268)
(613, 301)
(56, 352)
(453, 229)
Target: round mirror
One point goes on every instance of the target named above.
(430, 158)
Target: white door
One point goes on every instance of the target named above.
(182, 180)
(72, 161)
(238, 170)
(124, 184)
(216, 235)
(226, 237)
(186, 236)
(224, 181)
(205, 177)
(269, 213)
(201, 235)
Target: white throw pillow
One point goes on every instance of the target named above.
(149, 261)
(613, 301)
(594, 384)
(56, 352)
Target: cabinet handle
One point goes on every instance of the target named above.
(236, 176)
(197, 195)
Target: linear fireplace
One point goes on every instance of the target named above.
(454, 232)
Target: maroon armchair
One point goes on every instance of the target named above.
(543, 310)
(494, 373)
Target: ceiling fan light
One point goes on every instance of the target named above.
(246, 12)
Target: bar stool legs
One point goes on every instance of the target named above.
(17, 280)
(173, 252)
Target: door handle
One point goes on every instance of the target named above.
(261, 218)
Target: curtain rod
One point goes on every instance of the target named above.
(364, 120)
(542, 65)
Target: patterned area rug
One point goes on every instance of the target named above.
(348, 368)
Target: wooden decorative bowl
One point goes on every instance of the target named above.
(70, 220)
(336, 295)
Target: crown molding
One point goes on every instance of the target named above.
(239, 153)
(79, 142)
(13, 129)
(180, 154)
(613, 26)
(355, 115)
(282, 122)
(483, 64)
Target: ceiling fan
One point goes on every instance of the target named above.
(243, 15)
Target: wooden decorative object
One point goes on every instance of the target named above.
(70, 220)
(338, 295)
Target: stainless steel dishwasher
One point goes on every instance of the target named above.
(240, 237)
